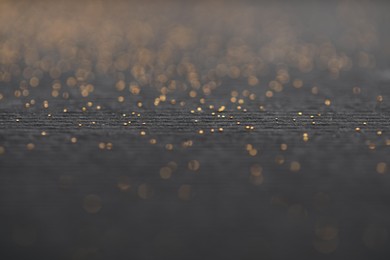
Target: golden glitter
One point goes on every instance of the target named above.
(169, 147)
(102, 146)
(212, 130)
(283, 147)
(193, 93)
(299, 113)
(315, 90)
(145, 191)
(187, 143)
(172, 165)
(184, 192)
(92, 203)
(73, 140)
(98, 107)
(269, 94)
(55, 93)
(256, 180)
(34, 82)
(305, 137)
(120, 85)
(256, 170)
(381, 168)
(152, 141)
(2, 150)
(65, 95)
(121, 99)
(109, 146)
(295, 166)
(371, 146)
(357, 129)
(379, 132)
(253, 152)
(65, 110)
(71, 82)
(165, 172)
(327, 102)
(193, 165)
(234, 93)
(142, 133)
(387, 142)
(201, 132)
(248, 147)
(43, 133)
(124, 183)
(25, 92)
(83, 109)
(253, 81)
(379, 98)
(45, 104)
(356, 90)
(220, 129)
(221, 109)
(162, 98)
(134, 89)
(279, 159)
(89, 104)
(30, 146)
(297, 83)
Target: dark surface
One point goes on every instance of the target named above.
(226, 216)
(309, 181)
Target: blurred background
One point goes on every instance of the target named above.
(194, 129)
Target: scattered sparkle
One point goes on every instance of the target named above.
(193, 165)
(381, 168)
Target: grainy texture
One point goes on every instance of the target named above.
(194, 130)
(226, 216)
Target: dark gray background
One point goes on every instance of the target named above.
(43, 191)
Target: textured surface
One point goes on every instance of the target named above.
(194, 130)
(225, 213)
